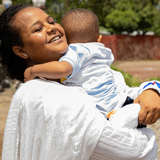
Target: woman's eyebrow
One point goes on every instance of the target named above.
(39, 22)
(35, 23)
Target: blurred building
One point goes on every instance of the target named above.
(6, 3)
(39, 3)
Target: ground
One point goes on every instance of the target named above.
(5, 98)
(141, 69)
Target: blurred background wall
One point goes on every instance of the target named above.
(140, 47)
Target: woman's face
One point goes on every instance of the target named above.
(43, 39)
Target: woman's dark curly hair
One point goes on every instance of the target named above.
(9, 36)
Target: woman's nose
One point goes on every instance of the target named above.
(51, 29)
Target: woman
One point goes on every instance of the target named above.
(48, 120)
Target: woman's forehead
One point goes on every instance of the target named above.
(28, 16)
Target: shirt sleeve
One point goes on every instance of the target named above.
(76, 55)
(133, 92)
(125, 144)
(150, 85)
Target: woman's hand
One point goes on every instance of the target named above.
(149, 101)
(28, 75)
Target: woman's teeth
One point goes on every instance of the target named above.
(55, 39)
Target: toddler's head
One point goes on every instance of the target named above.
(81, 26)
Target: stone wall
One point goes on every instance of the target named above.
(126, 47)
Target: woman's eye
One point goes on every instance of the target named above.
(38, 29)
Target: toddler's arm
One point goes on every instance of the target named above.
(50, 70)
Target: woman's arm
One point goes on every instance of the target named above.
(125, 144)
(147, 95)
(149, 101)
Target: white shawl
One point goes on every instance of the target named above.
(49, 121)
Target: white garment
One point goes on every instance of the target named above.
(114, 142)
(91, 70)
(126, 117)
(49, 121)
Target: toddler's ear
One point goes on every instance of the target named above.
(20, 52)
(99, 38)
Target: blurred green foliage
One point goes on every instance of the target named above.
(117, 16)
(129, 79)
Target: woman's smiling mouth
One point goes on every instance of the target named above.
(55, 38)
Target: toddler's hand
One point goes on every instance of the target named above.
(28, 74)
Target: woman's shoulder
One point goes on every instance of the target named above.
(42, 89)
(37, 94)
(34, 89)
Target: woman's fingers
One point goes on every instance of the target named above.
(142, 116)
(149, 101)
(151, 117)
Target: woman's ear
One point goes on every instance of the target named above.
(99, 38)
(20, 52)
